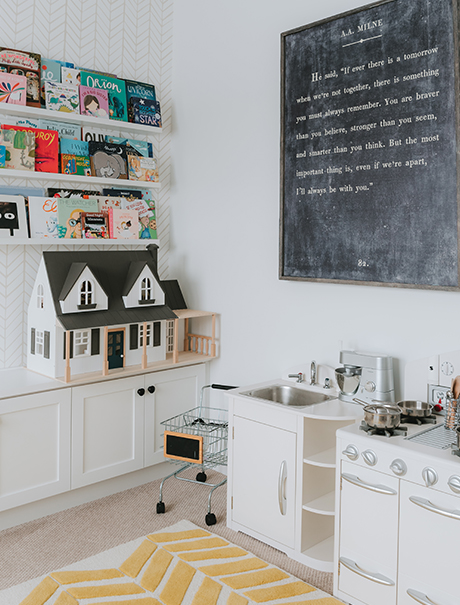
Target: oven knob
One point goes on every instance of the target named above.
(370, 457)
(430, 476)
(454, 483)
(399, 467)
(370, 386)
(351, 451)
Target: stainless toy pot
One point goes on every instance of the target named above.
(381, 415)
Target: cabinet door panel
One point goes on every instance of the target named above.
(34, 447)
(176, 391)
(107, 430)
(264, 473)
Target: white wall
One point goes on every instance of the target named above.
(225, 207)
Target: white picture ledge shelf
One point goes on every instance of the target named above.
(24, 111)
(75, 178)
(62, 241)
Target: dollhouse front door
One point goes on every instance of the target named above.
(115, 349)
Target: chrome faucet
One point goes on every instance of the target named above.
(299, 376)
(313, 373)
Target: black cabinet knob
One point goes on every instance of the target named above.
(151, 389)
(141, 392)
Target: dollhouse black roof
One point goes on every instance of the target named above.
(116, 272)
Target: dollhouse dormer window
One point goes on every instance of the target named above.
(146, 291)
(40, 296)
(87, 295)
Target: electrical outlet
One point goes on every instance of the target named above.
(437, 394)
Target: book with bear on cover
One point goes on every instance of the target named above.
(19, 149)
(75, 164)
(94, 102)
(62, 97)
(26, 64)
(69, 215)
(95, 225)
(116, 90)
(123, 224)
(46, 147)
(13, 88)
(43, 217)
(147, 112)
(142, 169)
(108, 160)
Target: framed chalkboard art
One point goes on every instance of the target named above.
(369, 177)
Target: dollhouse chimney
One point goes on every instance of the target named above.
(153, 249)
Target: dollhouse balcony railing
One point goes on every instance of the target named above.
(197, 343)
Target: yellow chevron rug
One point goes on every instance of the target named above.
(181, 565)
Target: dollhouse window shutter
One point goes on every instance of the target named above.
(32, 341)
(133, 336)
(71, 345)
(156, 334)
(95, 341)
(46, 345)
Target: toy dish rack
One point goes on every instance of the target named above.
(197, 437)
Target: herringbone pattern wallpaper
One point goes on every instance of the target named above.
(131, 38)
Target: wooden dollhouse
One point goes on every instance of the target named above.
(99, 312)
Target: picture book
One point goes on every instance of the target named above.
(19, 149)
(51, 72)
(132, 146)
(142, 169)
(13, 220)
(92, 134)
(128, 194)
(104, 202)
(108, 160)
(2, 156)
(25, 64)
(70, 75)
(13, 88)
(46, 147)
(94, 102)
(24, 191)
(69, 215)
(56, 192)
(43, 217)
(138, 90)
(65, 130)
(147, 217)
(62, 97)
(26, 122)
(123, 224)
(95, 225)
(146, 111)
(74, 147)
(116, 89)
(75, 164)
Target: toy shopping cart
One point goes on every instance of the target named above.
(197, 437)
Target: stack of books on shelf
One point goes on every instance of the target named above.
(43, 145)
(77, 214)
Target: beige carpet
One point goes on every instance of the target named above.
(39, 547)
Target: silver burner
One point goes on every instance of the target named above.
(372, 430)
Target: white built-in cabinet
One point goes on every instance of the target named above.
(281, 475)
(58, 440)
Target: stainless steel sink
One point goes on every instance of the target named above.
(287, 395)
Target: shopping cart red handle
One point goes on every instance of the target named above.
(222, 387)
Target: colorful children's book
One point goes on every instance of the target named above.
(19, 149)
(27, 122)
(147, 217)
(116, 89)
(146, 112)
(13, 89)
(94, 102)
(65, 130)
(2, 156)
(13, 220)
(70, 75)
(55, 192)
(104, 203)
(73, 147)
(46, 147)
(43, 217)
(69, 215)
(128, 194)
(132, 146)
(123, 224)
(75, 164)
(51, 72)
(93, 134)
(108, 160)
(142, 169)
(26, 64)
(62, 97)
(138, 90)
(95, 225)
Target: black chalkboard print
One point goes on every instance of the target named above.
(369, 147)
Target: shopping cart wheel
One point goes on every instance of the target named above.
(160, 508)
(210, 519)
(201, 477)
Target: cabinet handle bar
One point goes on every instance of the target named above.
(427, 505)
(282, 487)
(380, 489)
(352, 566)
(420, 598)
